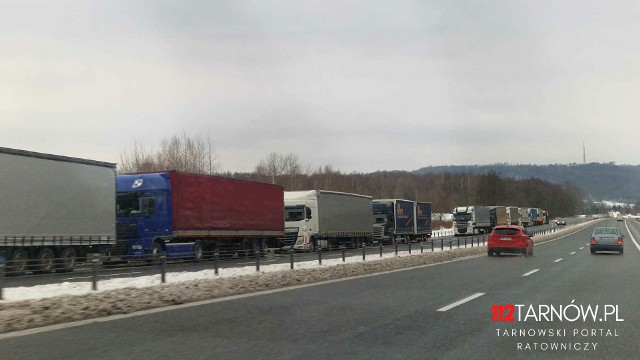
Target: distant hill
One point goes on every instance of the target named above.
(598, 181)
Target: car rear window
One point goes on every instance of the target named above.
(605, 231)
(506, 231)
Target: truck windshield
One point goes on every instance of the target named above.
(379, 209)
(462, 217)
(128, 204)
(294, 213)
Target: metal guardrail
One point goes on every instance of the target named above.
(97, 264)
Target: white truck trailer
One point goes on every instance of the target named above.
(320, 218)
(514, 215)
(55, 210)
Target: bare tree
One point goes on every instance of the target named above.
(183, 153)
(281, 169)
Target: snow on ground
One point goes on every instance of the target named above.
(82, 288)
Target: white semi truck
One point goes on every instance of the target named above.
(471, 220)
(320, 218)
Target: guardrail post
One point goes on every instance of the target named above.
(396, 245)
(364, 251)
(458, 242)
(95, 259)
(465, 241)
(258, 260)
(450, 244)
(421, 247)
(409, 240)
(441, 244)
(381, 245)
(163, 267)
(216, 257)
(343, 250)
(291, 252)
(2, 265)
(431, 245)
(319, 254)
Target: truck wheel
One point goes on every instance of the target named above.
(18, 262)
(45, 261)
(198, 250)
(156, 251)
(67, 260)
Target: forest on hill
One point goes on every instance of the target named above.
(598, 181)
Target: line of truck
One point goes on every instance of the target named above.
(481, 219)
(57, 210)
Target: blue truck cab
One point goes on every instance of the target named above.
(144, 216)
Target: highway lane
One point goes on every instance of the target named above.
(392, 315)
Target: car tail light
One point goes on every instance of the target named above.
(593, 240)
(620, 241)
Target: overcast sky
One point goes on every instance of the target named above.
(362, 85)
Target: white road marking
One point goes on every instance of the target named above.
(573, 253)
(631, 236)
(558, 260)
(531, 272)
(582, 248)
(457, 303)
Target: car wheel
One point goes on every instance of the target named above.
(621, 251)
(593, 252)
(490, 252)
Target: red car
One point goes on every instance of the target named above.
(509, 239)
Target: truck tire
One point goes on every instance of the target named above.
(67, 260)
(18, 262)
(156, 250)
(198, 250)
(45, 261)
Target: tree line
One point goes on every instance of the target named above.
(444, 190)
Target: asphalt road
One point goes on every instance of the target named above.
(400, 315)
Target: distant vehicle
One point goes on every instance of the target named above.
(607, 239)
(524, 216)
(509, 239)
(514, 215)
(320, 218)
(471, 220)
(619, 217)
(498, 216)
(394, 220)
(561, 222)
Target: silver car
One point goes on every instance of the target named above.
(607, 239)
